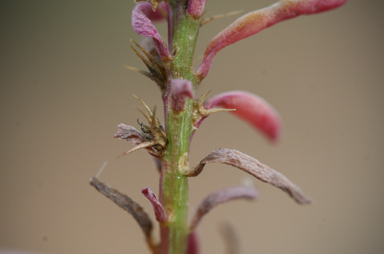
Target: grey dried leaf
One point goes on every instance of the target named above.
(252, 167)
(126, 203)
(136, 138)
(153, 138)
(219, 197)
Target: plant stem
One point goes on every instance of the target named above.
(173, 182)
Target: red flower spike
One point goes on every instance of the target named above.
(251, 108)
(256, 21)
(181, 90)
(196, 7)
(142, 17)
(160, 213)
(220, 197)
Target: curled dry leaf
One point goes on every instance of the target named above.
(160, 213)
(252, 167)
(251, 108)
(256, 21)
(219, 197)
(126, 203)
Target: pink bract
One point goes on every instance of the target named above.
(181, 90)
(142, 15)
(256, 21)
(251, 108)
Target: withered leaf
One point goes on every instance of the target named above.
(126, 203)
(220, 197)
(135, 137)
(130, 134)
(252, 167)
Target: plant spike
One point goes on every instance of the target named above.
(170, 67)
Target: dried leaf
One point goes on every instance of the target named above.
(136, 138)
(160, 213)
(256, 21)
(219, 197)
(153, 138)
(252, 167)
(130, 134)
(251, 108)
(128, 205)
(155, 67)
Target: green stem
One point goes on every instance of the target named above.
(174, 185)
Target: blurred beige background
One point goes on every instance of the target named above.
(64, 90)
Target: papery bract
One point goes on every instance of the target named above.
(256, 21)
(142, 15)
(251, 108)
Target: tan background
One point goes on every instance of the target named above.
(64, 90)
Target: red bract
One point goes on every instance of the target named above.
(251, 108)
(256, 21)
